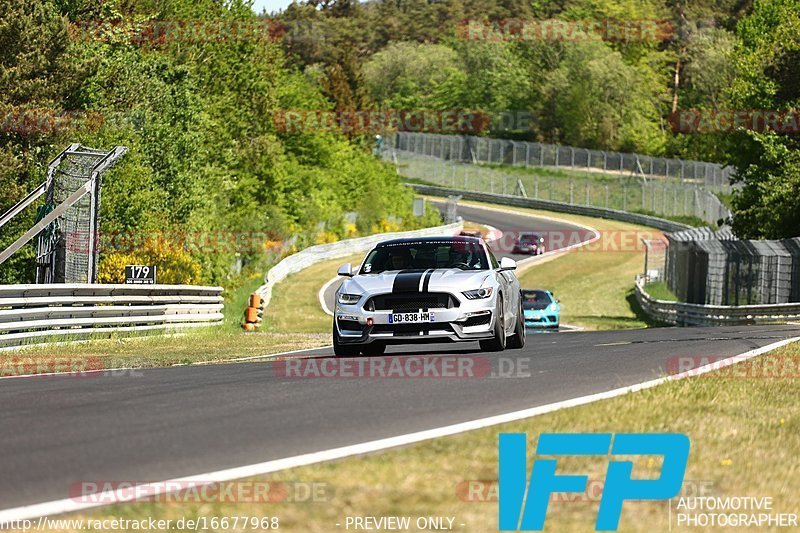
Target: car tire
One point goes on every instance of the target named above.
(517, 340)
(343, 350)
(498, 342)
(374, 348)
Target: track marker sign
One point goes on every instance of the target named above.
(519, 511)
(140, 275)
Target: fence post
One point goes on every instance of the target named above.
(643, 198)
(571, 192)
(625, 198)
(527, 154)
(587, 193)
(606, 196)
(536, 188)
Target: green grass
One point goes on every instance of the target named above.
(594, 283)
(237, 299)
(745, 439)
(199, 345)
(660, 291)
(682, 219)
(295, 303)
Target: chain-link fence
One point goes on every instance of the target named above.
(657, 197)
(471, 149)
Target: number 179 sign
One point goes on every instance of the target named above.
(140, 274)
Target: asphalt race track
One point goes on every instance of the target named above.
(511, 225)
(171, 422)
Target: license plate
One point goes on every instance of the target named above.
(410, 318)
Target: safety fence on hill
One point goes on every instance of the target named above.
(473, 149)
(657, 198)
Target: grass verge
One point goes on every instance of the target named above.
(742, 423)
(660, 291)
(594, 282)
(295, 303)
(199, 345)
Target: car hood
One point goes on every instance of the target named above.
(439, 280)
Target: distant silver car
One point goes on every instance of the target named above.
(431, 289)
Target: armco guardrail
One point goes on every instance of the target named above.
(33, 314)
(323, 252)
(561, 207)
(684, 314)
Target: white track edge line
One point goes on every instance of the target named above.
(321, 296)
(120, 496)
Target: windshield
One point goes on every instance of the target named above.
(535, 299)
(528, 238)
(461, 254)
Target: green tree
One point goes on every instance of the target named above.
(767, 164)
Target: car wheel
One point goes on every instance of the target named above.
(374, 348)
(343, 350)
(498, 343)
(517, 340)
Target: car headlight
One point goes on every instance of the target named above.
(348, 299)
(477, 294)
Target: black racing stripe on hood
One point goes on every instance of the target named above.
(407, 281)
(427, 280)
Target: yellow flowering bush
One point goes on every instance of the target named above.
(173, 264)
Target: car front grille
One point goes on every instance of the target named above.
(400, 330)
(411, 302)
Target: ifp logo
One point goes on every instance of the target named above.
(619, 485)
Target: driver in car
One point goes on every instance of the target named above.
(399, 260)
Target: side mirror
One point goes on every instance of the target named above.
(345, 270)
(558, 301)
(507, 263)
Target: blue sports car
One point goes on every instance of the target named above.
(540, 308)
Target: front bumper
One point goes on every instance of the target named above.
(472, 320)
(532, 250)
(541, 319)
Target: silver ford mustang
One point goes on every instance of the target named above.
(430, 289)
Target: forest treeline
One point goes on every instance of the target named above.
(212, 180)
(208, 184)
(666, 83)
